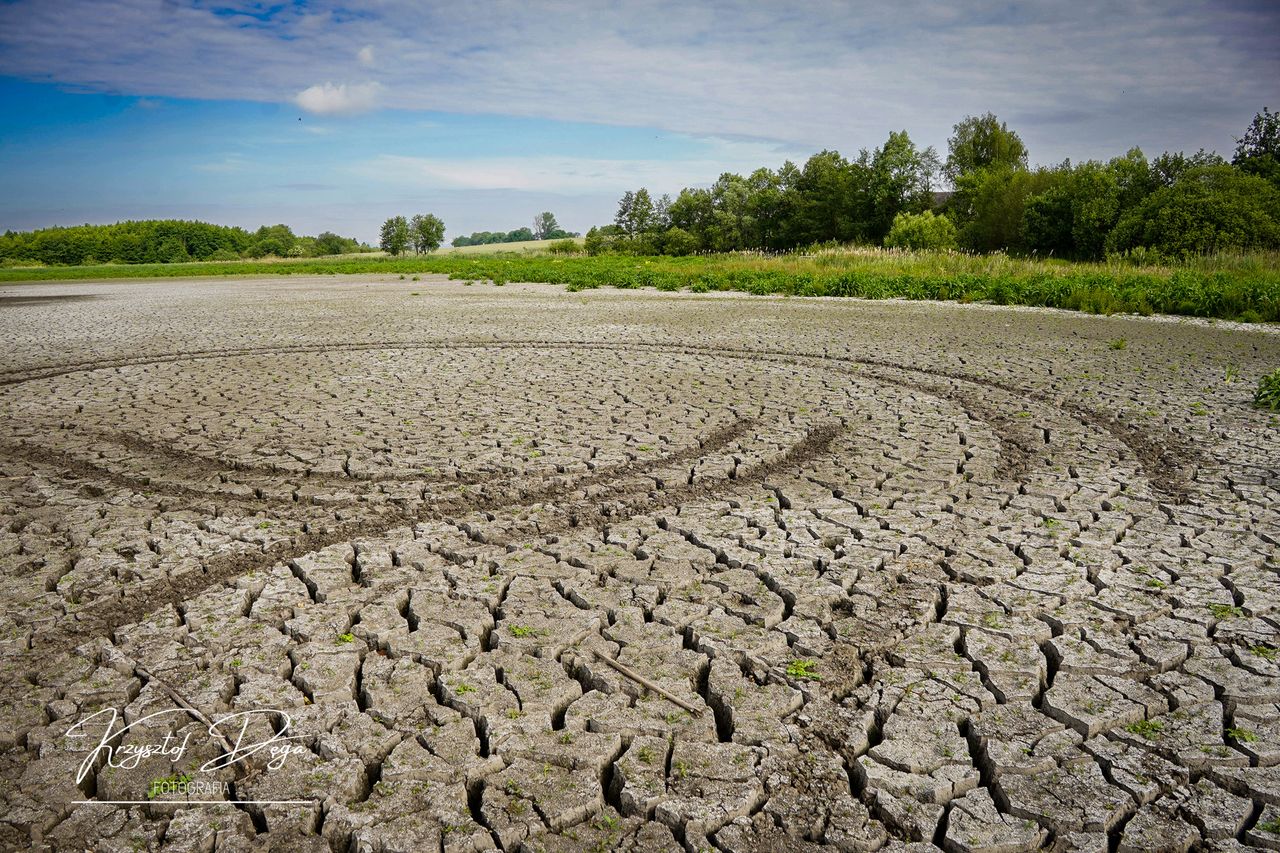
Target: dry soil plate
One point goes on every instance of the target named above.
(955, 575)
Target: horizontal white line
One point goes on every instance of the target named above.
(195, 802)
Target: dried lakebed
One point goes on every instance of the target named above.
(942, 575)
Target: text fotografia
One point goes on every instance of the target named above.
(111, 746)
(185, 786)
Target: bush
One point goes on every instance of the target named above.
(921, 231)
(1208, 210)
(1268, 394)
(564, 247)
(679, 242)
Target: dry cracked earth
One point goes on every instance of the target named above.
(920, 575)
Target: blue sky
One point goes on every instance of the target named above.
(327, 116)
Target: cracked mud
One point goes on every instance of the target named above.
(929, 575)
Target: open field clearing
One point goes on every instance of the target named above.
(978, 577)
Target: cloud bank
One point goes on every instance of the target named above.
(1084, 79)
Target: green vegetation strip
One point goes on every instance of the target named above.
(1243, 288)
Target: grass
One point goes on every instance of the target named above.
(1243, 287)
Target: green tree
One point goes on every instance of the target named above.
(983, 142)
(989, 206)
(901, 180)
(173, 251)
(635, 213)
(545, 226)
(1210, 209)
(676, 241)
(426, 232)
(831, 200)
(1167, 168)
(277, 240)
(394, 237)
(692, 212)
(1258, 151)
(921, 231)
(328, 243)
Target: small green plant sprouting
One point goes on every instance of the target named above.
(1225, 611)
(1241, 735)
(463, 688)
(522, 631)
(1232, 374)
(1117, 344)
(1199, 410)
(347, 637)
(1268, 394)
(804, 670)
(1263, 651)
(1272, 826)
(1149, 729)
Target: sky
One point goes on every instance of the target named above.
(332, 116)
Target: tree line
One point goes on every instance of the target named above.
(544, 227)
(1174, 206)
(165, 241)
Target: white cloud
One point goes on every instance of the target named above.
(327, 99)
(365, 55)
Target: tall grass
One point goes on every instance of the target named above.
(1228, 287)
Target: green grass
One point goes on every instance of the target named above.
(1226, 287)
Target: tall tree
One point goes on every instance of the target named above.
(623, 217)
(545, 226)
(1258, 151)
(901, 181)
(426, 232)
(394, 237)
(983, 142)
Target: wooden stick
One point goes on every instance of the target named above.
(184, 705)
(646, 683)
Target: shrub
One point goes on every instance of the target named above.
(1268, 394)
(564, 247)
(921, 231)
(677, 241)
(1208, 210)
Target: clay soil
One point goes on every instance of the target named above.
(965, 576)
